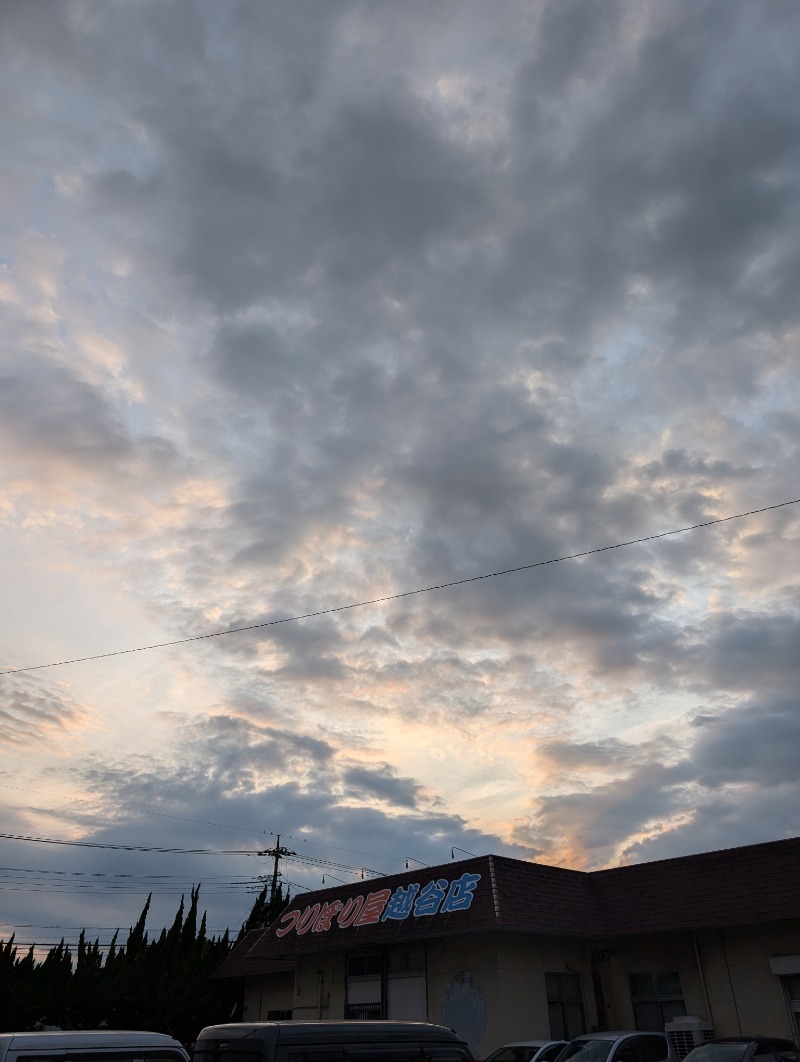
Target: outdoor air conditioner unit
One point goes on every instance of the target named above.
(688, 1032)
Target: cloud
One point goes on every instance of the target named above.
(383, 784)
(736, 773)
(31, 715)
(309, 309)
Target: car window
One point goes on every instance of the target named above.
(446, 1053)
(654, 1048)
(106, 1054)
(730, 1052)
(785, 1051)
(764, 1053)
(629, 1050)
(513, 1054)
(308, 1053)
(587, 1051)
(225, 1050)
(549, 1054)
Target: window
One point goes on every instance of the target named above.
(225, 1050)
(109, 1054)
(445, 1053)
(550, 1054)
(657, 998)
(409, 961)
(310, 1053)
(588, 1050)
(362, 1011)
(653, 1048)
(390, 983)
(791, 988)
(646, 1048)
(785, 1051)
(565, 1005)
(365, 965)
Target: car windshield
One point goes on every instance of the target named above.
(513, 1053)
(732, 1052)
(587, 1051)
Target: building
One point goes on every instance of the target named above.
(501, 949)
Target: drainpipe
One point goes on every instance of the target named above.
(321, 982)
(702, 977)
(730, 979)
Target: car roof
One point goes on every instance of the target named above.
(615, 1034)
(317, 1031)
(110, 1037)
(530, 1043)
(755, 1039)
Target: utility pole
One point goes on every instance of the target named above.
(277, 853)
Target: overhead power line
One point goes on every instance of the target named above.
(221, 825)
(129, 847)
(402, 594)
(103, 875)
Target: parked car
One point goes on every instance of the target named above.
(97, 1045)
(325, 1041)
(528, 1051)
(745, 1049)
(619, 1046)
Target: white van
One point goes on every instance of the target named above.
(93, 1046)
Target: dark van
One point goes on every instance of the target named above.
(96, 1045)
(330, 1041)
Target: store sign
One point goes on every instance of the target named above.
(411, 901)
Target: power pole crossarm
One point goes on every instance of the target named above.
(276, 854)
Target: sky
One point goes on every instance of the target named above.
(313, 304)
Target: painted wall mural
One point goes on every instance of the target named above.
(464, 1009)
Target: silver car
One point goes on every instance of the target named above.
(619, 1046)
(745, 1049)
(528, 1051)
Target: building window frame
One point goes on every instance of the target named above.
(379, 966)
(656, 998)
(566, 1004)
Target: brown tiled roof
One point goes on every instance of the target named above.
(738, 886)
(242, 962)
(543, 899)
(733, 887)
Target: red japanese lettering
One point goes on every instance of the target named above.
(351, 911)
(323, 922)
(307, 920)
(290, 917)
(373, 908)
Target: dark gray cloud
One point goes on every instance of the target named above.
(53, 419)
(383, 784)
(31, 715)
(311, 305)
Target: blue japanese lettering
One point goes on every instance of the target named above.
(459, 895)
(430, 898)
(400, 902)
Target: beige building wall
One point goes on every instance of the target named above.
(320, 987)
(725, 975)
(521, 1005)
(263, 994)
(667, 953)
(462, 985)
(745, 995)
(505, 974)
(491, 986)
